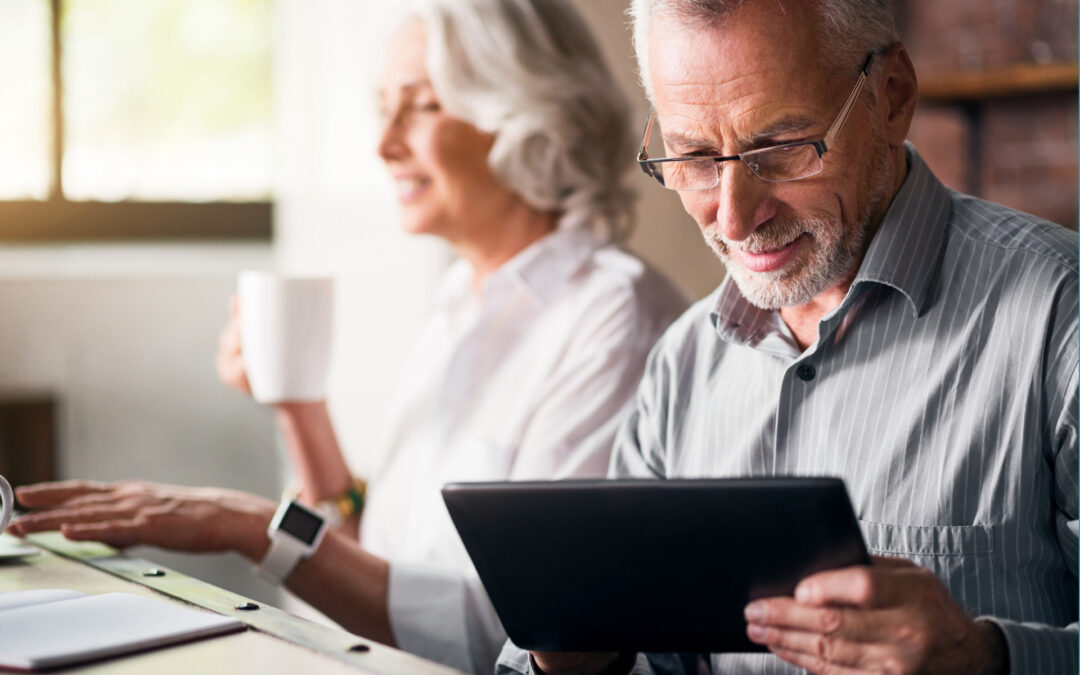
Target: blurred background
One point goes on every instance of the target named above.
(151, 149)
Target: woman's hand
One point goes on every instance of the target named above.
(138, 512)
(230, 357)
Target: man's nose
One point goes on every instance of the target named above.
(742, 203)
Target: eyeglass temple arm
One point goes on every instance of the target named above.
(830, 135)
(643, 153)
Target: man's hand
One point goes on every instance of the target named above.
(136, 512)
(893, 617)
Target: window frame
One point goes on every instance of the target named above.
(58, 219)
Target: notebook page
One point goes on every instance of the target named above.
(95, 626)
(13, 599)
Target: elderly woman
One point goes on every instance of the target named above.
(506, 137)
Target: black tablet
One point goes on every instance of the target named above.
(648, 565)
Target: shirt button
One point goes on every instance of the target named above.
(806, 372)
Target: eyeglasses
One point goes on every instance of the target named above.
(775, 164)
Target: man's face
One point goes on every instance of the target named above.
(755, 81)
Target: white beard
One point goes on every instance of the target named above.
(826, 256)
(830, 252)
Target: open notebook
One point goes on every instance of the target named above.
(50, 628)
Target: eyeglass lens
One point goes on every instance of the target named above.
(777, 164)
(784, 163)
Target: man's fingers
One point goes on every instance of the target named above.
(823, 647)
(837, 649)
(860, 586)
(787, 613)
(51, 494)
(850, 625)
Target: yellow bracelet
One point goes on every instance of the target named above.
(348, 505)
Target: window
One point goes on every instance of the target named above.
(135, 119)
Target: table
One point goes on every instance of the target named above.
(275, 642)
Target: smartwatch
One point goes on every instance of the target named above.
(295, 532)
(339, 509)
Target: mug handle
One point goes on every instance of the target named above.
(8, 505)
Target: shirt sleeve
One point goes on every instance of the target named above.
(1039, 648)
(591, 391)
(445, 616)
(643, 437)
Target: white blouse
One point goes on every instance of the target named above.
(526, 379)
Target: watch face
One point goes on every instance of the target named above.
(301, 523)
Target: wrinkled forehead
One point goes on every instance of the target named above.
(761, 53)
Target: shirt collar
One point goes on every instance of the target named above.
(538, 270)
(738, 321)
(906, 251)
(905, 254)
(542, 267)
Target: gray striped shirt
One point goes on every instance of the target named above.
(943, 390)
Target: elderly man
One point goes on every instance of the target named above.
(876, 326)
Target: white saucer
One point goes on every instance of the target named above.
(11, 547)
(17, 551)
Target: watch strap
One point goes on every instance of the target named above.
(284, 554)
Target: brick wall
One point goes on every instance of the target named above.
(1019, 149)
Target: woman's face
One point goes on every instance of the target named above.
(438, 162)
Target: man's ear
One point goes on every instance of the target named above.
(899, 94)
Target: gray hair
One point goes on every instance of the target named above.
(851, 28)
(530, 72)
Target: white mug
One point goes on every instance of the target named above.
(8, 505)
(286, 330)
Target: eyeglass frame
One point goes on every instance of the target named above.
(821, 146)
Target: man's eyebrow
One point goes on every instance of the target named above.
(786, 125)
(782, 126)
(675, 138)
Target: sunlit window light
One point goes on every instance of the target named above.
(25, 137)
(162, 100)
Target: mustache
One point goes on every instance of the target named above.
(776, 234)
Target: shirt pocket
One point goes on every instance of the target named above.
(962, 556)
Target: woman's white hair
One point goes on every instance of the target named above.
(851, 28)
(530, 72)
